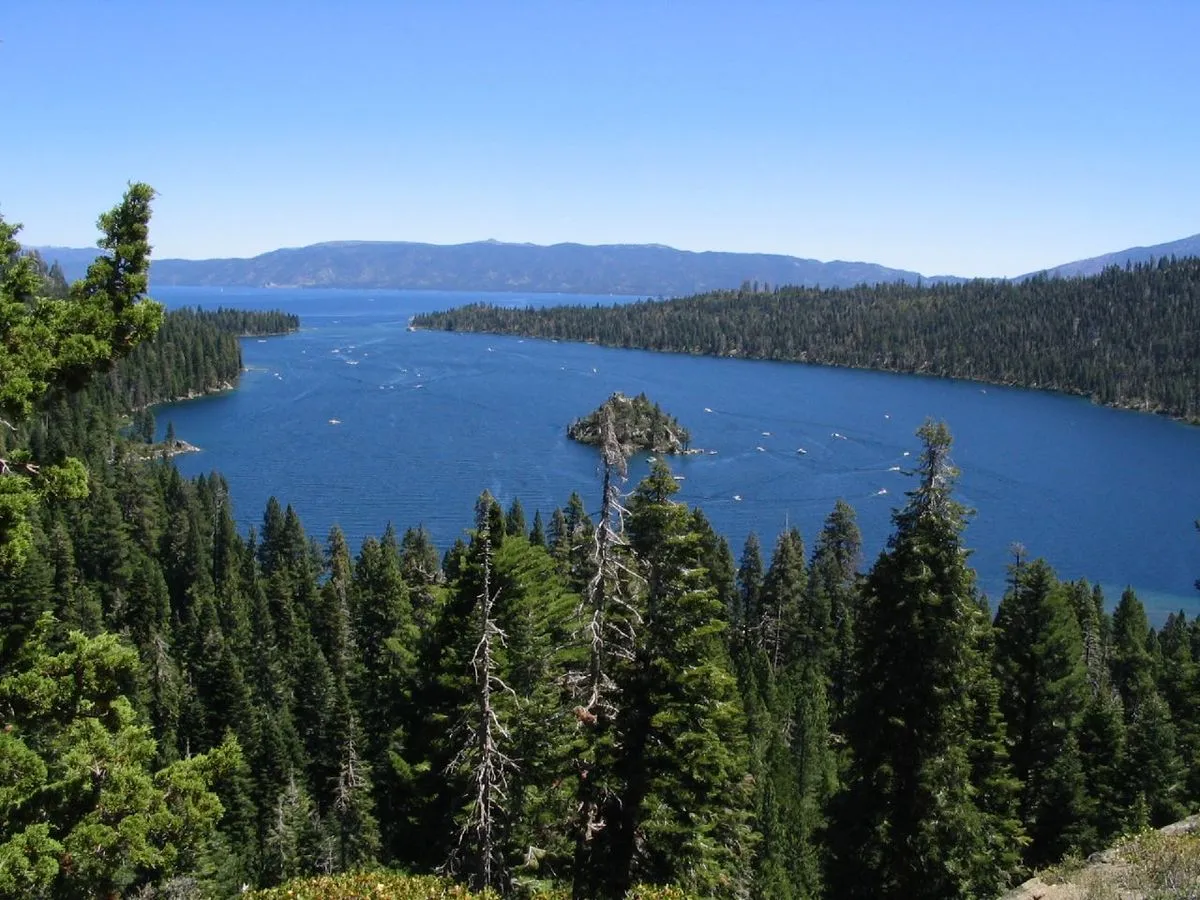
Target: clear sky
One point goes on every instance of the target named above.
(966, 137)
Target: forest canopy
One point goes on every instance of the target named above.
(1126, 337)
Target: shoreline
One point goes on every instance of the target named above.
(1144, 407)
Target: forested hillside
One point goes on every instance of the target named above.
(1127, 337)
(498, 266)
(573, 704)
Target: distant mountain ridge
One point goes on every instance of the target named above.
(651, 270)
(1188, 246)
(637, 269)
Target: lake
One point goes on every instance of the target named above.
(357, 421)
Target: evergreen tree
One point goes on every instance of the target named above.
(749, 587)
(778, 618)
(1154, 772)
(1043, 691)
(1179, 686)
(384, 635)
(832, 585)
(83, 812)
(685, 811)
(537, 534)
(514, 519)
(926, 743)
(50, 344)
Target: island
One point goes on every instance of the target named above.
(639, 424)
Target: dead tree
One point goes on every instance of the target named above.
(607, 617)
(608, 621)
(481, 756)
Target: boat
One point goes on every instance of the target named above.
(335, 421)
(801, 450)
(761, 449)
(737, 497)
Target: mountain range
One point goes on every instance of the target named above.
(1189, 246)
(639, 269)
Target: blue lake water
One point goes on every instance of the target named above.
(426, 420)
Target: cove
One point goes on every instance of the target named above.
(357, 421)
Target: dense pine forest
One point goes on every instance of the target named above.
(1127, 337)
(567, 705)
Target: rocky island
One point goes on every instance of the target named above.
(639, 425)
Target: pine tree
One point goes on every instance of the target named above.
(1154, 771)
(926, 741)
(536, 615)
(84, 812)
(778, 618)
(514, 519)
(1179, 686)
(1043, 691)
(749, 587)
(685, 810)
(537, 535)
(384, 635)
(832, 585)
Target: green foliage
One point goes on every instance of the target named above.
(56, 343)
(83, 811)
(393, 886)
(686, 807)
(638, 423)
(1126, 337)
(927, 810)
(794, 732)
(1043, 691)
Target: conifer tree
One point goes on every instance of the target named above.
(382, 682)
(926, 743)
(56, 343)
(685, 810)
(1043, 692)
(777, 620)
(83, 810)
(749, 586)
(421, 572)
(832, 585)
(536, 615)
(1179, 686)
(514, 519)
(537, 534)
(1154, 772)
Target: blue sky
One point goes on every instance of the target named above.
(973, 138)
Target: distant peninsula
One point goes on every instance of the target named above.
(640, 425)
